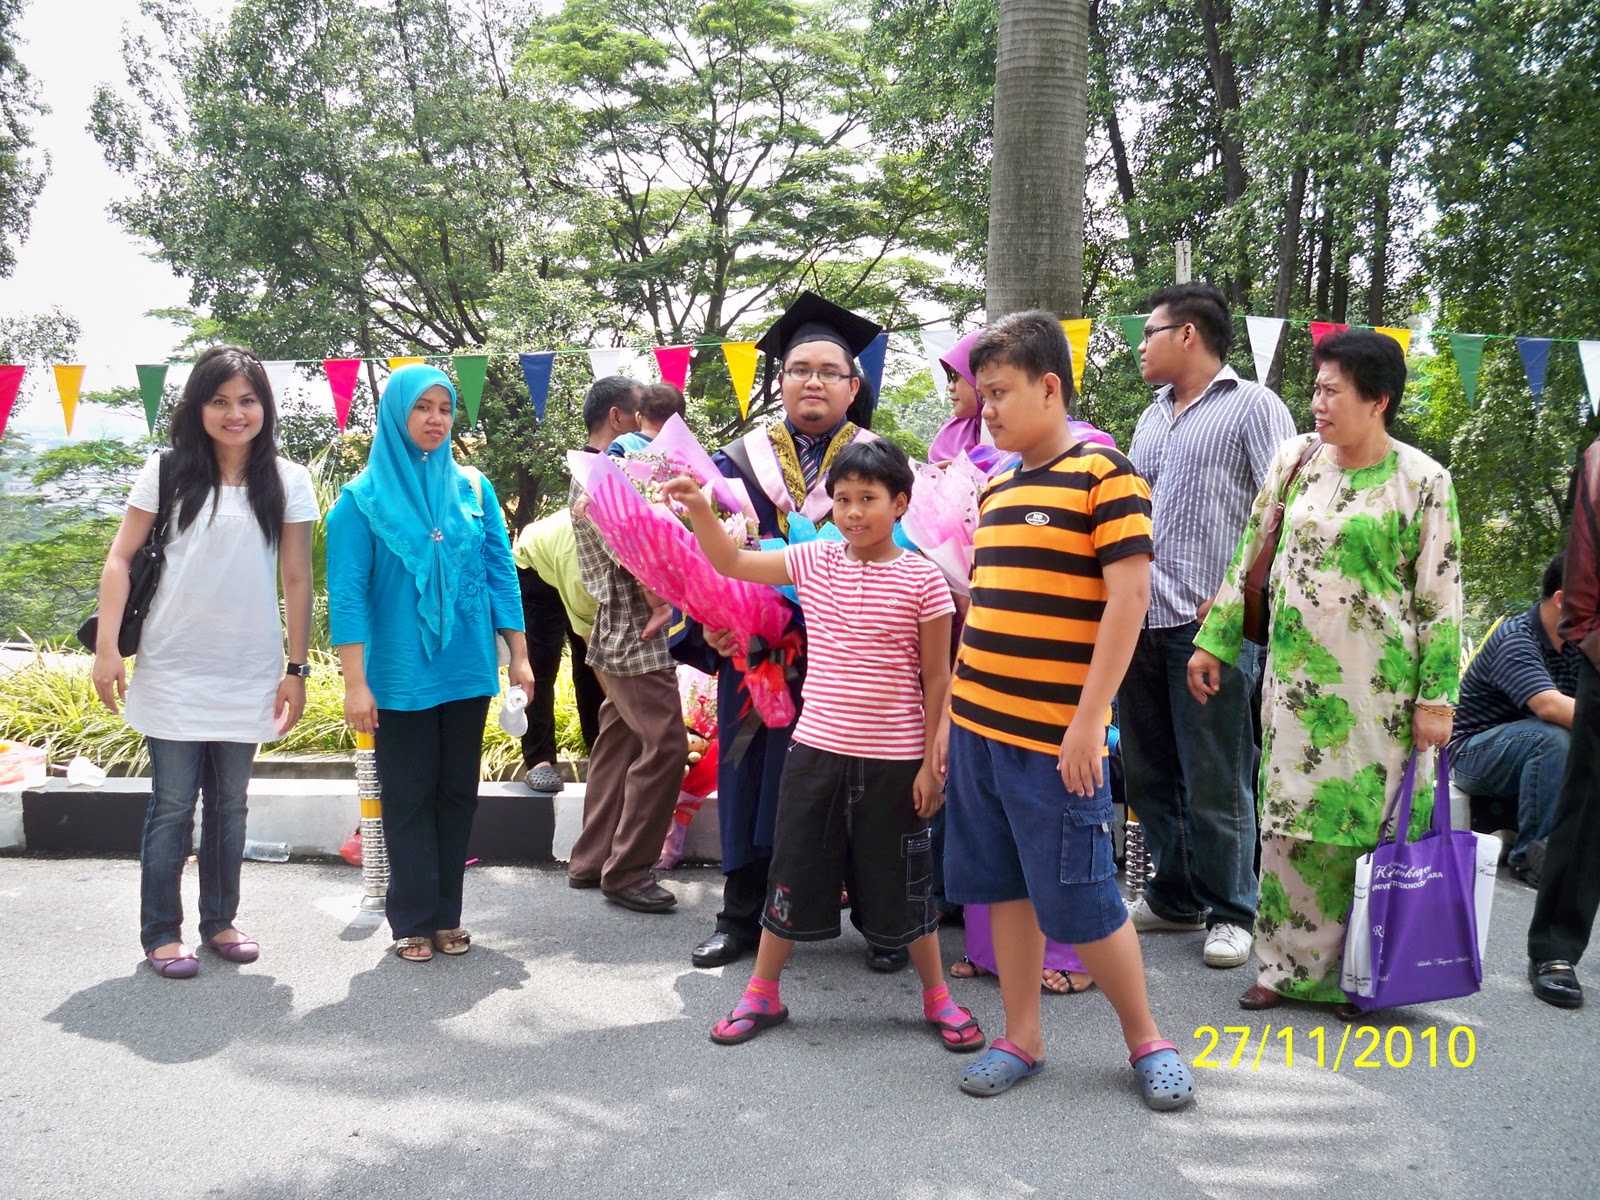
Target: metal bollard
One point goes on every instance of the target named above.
(374, 855)
(1136, 859)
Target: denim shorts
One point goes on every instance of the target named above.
(1014, 832)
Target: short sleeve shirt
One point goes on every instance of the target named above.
(1038, 591)
(1514, 664)
(863, 688)
(211, 651)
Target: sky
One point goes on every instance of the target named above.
(77, 257)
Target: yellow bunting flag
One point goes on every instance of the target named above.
(396, 363)
(69, 382)
(1403, 336)
(1078, 336)
(741, 358)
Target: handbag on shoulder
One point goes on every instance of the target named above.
(1257, 618)
(143, 573)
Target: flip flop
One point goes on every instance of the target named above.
(757, 1022)
(1164, 1080)
(246, 951)
(973, 970)
(1070, 989)
(968, 1037)
(1004, 1064)
(179, 966)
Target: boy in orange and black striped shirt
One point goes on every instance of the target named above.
(1060, 584)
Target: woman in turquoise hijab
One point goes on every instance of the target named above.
(420, 579)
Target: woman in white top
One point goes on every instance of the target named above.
(210, 681)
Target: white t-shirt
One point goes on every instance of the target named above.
(211, 651)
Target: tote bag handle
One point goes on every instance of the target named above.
(1408, 784)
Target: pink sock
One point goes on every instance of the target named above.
(760, 995)
(938, 1006)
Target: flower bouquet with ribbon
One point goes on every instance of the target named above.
(652, 542)
(943, 516)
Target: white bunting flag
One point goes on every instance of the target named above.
(936, 343)
(1589, 355)
(1265, 334)
(606, 362)
(281, 375)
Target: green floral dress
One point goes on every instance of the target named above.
(1365, 620)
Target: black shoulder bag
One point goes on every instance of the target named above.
(143, 574)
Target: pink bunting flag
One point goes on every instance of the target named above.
(1322, 329)
(343, 375)
(673, 362)
(10, 381)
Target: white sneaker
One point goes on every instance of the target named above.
(1147, 920)
(1227, 946)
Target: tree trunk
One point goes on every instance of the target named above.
(1036, 188)
(1215, 16)
(1382, 204)
(1119, 148)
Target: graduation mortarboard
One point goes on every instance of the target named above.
(812, 319)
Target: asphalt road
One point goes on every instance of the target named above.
(567, 1056)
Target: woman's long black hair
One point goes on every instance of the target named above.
(196, 476)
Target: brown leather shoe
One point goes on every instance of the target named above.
(1258, 997)
(646, 897)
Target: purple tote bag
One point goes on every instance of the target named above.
(1414, 931)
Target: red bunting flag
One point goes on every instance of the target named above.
(1322, 329)
(343, 375)
(674, 364)
(10, 381)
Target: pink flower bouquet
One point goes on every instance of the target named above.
(943, 517)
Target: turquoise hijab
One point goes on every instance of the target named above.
(415, 504)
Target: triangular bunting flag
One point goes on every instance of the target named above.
(152, 382)
(396, 363)
(536, 372)
(606, 362)
(69, 382)
(871, 360)
(1535, 358)
(1468, 351)
(1265, 334)
(936, 343)
(1322, 329)
(281, 375)
(1132, 330)
(1399, 334)
(471, 371)
(673, 363)
(1588, 355)
(741, 357)
(1077, 331)
(10, 381)
(343, 375)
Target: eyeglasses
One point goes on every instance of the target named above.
(805, 374)
(1150, 333)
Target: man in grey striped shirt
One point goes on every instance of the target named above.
(1204, 446)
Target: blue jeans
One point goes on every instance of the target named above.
(180, 772)
(1524, 759)
(1190, 772)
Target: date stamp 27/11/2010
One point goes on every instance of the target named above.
(1364, 1047)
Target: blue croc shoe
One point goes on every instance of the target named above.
(1004, 1064)
(1165, 1081)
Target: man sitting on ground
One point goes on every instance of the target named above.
(1513, 724)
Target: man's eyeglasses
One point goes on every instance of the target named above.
(1150, 332)
(805, 374)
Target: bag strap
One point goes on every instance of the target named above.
(1256, 579)
(1408, 785)
(476, 477)
(165, 487)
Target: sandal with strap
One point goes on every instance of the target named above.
(1163, 1078)
(1004, 1064)
(401, 945)
(961, 1037)
(452, 941)
(725, 1033)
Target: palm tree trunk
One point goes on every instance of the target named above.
(1041, 94)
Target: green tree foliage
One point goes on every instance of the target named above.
(21, 176)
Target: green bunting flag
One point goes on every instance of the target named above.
(1468, 351)
(152, 382)
(471, 371)
(1133, 331)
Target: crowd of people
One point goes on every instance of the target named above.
(1274, 618)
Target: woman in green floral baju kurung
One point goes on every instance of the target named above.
(1363, 657)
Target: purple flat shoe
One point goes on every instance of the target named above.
(180, 966)
(246, 951)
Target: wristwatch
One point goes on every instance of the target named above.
(301, 669)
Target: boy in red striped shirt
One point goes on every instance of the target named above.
(858, 784)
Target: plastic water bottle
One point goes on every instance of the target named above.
(266, 851)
